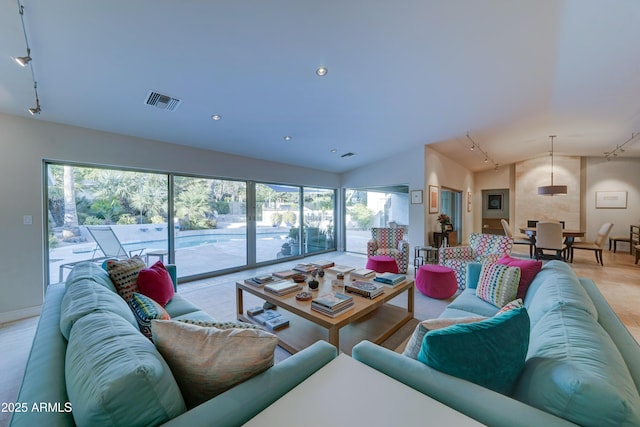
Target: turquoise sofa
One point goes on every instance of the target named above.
(44, 379)
(582, 366)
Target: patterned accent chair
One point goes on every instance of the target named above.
(482, 248)
(389, 242)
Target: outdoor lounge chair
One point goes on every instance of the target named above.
(109, 244)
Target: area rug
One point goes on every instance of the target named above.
(398, 341)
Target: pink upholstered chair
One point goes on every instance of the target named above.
(388, 241)
(481, 248)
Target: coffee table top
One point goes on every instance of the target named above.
(361, 307)
(346, 392)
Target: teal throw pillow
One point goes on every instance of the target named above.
(490, 353)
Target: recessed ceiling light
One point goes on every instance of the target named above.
(333, 150)
(288, 138)
(216, 117)
(322, 71)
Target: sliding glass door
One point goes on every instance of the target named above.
(199, 223)
(374, 207)
(133, 205)
(210, 225)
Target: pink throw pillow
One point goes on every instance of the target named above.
(528, 271)
(155, 282)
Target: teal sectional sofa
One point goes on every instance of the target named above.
(146, 394)
(582, 365)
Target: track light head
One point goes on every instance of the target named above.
(23, 60)
(34, 111)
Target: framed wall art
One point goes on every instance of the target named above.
(611, 200)
(494, 202)
(416, 197)
(434, 199)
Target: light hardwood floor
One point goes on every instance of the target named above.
(618, 280)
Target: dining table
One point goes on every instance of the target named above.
(568, 234)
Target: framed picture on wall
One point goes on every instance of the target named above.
(611, 200)
(494, 202)
(434, 199)
(416, 197)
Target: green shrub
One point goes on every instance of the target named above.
(93, 220)
(276, 219)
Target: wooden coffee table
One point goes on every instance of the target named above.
(374, 320)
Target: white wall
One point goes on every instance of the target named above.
(402, 169)
(444, 172)
(24, 143)
(620, 174)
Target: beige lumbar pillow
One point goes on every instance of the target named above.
(207, 361)
(415, 342)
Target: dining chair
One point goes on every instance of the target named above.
(597, 245)
(517, 240)
(549, 237)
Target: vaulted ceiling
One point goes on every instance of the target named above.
(400, 75)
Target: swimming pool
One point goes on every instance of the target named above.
(201, 239)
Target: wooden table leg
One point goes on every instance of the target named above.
(239, 307)
(411, 299)
(334, 337)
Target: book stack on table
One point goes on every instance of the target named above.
(340, 269)
(268, 318)
(323, 263)
(366, 289)
(362, 273)
(260, 281)
(332, 304)
(282, 287)
(305, 268)
(391, 279)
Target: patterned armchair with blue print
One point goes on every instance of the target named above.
(482, 248)
(389, 242)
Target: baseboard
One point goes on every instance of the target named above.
(12, 316)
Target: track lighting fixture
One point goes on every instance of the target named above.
(619, 148)
(23, 61)
(475, 145)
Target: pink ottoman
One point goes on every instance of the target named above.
(436, 281)
(382, 264)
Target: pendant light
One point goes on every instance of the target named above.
(551, 190)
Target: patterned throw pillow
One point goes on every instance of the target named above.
(516, 303)
(221, 325)
(498, 284)
(415, 342)
(124, 275)
(528, 271)
(145, 310)
(490, 353)
(206, 361)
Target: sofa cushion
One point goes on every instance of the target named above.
(498, 284)
(221, 325)
(207, 361)
(575, 371)
(124, 275)
(91, 271)
(415, 342)
(468, 304)
(490, 353)
(528, 270)
(83, 296)
(156, 283)
(555, 285)
(179, 306)
(115, 376)
(145, 310)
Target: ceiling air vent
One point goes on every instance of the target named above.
(345, 155)
(161, 101)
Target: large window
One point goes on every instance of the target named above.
(374, 207)
(202, 225)
(132, 204)
(210, 223)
